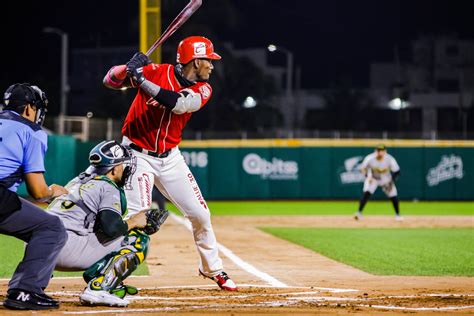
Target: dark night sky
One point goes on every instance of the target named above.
(330, 39)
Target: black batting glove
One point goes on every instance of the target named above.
(136, 74)
(135, 67)
(139, 60)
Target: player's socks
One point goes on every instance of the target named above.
(395, 205)
(363, 200)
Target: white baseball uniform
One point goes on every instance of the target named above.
(154, 132)
(379, 174)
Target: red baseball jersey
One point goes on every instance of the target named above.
(153, 126)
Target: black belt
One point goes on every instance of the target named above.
(150, 153)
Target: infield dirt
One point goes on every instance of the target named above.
(308, 282)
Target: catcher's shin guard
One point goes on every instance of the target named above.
(109, 272)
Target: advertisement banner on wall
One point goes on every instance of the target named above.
(272, 169)
(431, 173)
(450, 167)
(350, 172)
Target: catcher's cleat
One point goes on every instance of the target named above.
(101, 297)
(222, 280)
(26, 300)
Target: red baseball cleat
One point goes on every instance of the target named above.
(223, 281)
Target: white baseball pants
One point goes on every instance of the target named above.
(388, 186)
(171, 175)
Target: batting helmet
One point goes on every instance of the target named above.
(194, 47)
(108, 154)
(20, 94)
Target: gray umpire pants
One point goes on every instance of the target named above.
(45, 235)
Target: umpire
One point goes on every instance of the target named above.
(22, 148)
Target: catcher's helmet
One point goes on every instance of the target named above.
(194, 47)
(20, 94)
(108, 154)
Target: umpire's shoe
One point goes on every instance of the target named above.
(26, 300)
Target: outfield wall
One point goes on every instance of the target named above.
(301, 168)
(327, 169)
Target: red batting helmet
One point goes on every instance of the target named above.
(194, 47)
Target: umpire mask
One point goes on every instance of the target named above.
(41, 104)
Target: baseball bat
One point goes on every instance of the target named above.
(179, 20)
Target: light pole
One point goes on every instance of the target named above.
(64, 73)
(288, 110)
(289, 67)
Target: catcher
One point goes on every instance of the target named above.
(99, 241)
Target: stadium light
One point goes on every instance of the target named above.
(289, 66)
(398, 104)
(64, 66)
(272, 48)
(249, 102)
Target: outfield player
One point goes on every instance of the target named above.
(380, 170)
(23, 145)
(167, 97)
(100, 242)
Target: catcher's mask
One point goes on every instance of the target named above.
(108, 154)
(18, 95)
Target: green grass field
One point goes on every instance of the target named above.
(422, 251)
(444, 251)
(15, 248)
(335, 208)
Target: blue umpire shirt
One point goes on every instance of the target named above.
(23, 145)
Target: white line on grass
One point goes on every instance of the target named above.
(236, 259)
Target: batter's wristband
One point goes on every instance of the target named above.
(114, 75)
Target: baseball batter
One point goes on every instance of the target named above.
(380, 170)
(99, 241)
(166, 99)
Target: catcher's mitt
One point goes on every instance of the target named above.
(154, 219)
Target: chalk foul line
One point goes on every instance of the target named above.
(236, 259)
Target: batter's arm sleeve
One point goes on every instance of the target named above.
(193, 98)
(185, 101)
(111, 224)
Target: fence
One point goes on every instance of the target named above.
(300, 168)
(327, 169)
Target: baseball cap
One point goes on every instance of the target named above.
(380, 147)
